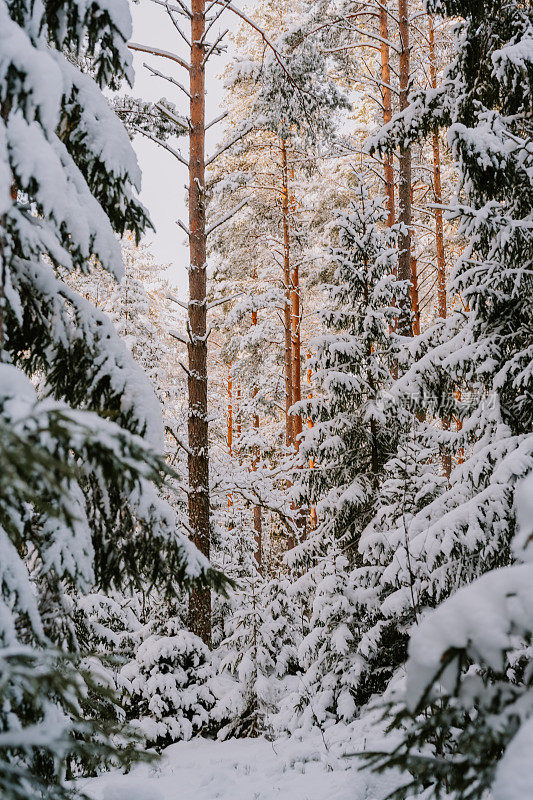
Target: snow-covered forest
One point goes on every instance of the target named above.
(267, 536)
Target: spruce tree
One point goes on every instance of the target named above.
(344, 451)
(486, 102)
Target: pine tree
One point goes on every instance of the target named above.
(79, 504)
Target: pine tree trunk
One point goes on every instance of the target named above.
(404, 189)
(439, 225)
(437, 186)
(296, 352)
(387, 106)
(258, 522)
(312, 511)
(230, 412)
(289, 435)
(230, 424)
(198, 461)
(415, 305)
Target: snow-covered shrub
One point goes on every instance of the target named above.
(112, 623)
(392, 582)
(325, 693)
(168, 686)
(466, 719)
(260, 649)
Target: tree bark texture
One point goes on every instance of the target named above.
(198, 459)
(289, 434)
(437, 187)
(386, 95)
(258, 521)
(404, 188)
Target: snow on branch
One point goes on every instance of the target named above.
(155, 51)
(166, 146)
(225, 218)
(167, 78)
(229, 144)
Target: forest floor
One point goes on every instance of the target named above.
(250, 769)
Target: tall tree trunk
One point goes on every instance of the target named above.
(404, 189)
(198, 460)
(415, 305)
(258, 522)
(387, 106)
(230, 412)
(437, 186)
(439, 225)
(312, 511)
(289, 434)
(296, 352)
(230, 424)
(238, 409)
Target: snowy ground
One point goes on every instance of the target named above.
(249, 769)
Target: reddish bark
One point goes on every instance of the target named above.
(312, 512)
(289, 434)
(387, 106)
(439, 225)
(198, 459)
(258, 522)
(230, 411)
(437, 187)
(296, 353)
(404, 188)
(414, 297)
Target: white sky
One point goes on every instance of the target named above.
(164, 178)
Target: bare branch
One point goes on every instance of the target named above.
(228, 145)
(217, 119)
(177, 27)
(214, 47)
(178, 336)
(226, 218)
(154, 51)
(171, 297)
(183, 227)
(166, 78)
(214, 19)
(166, 146)
(181, 10)
(221, 302)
